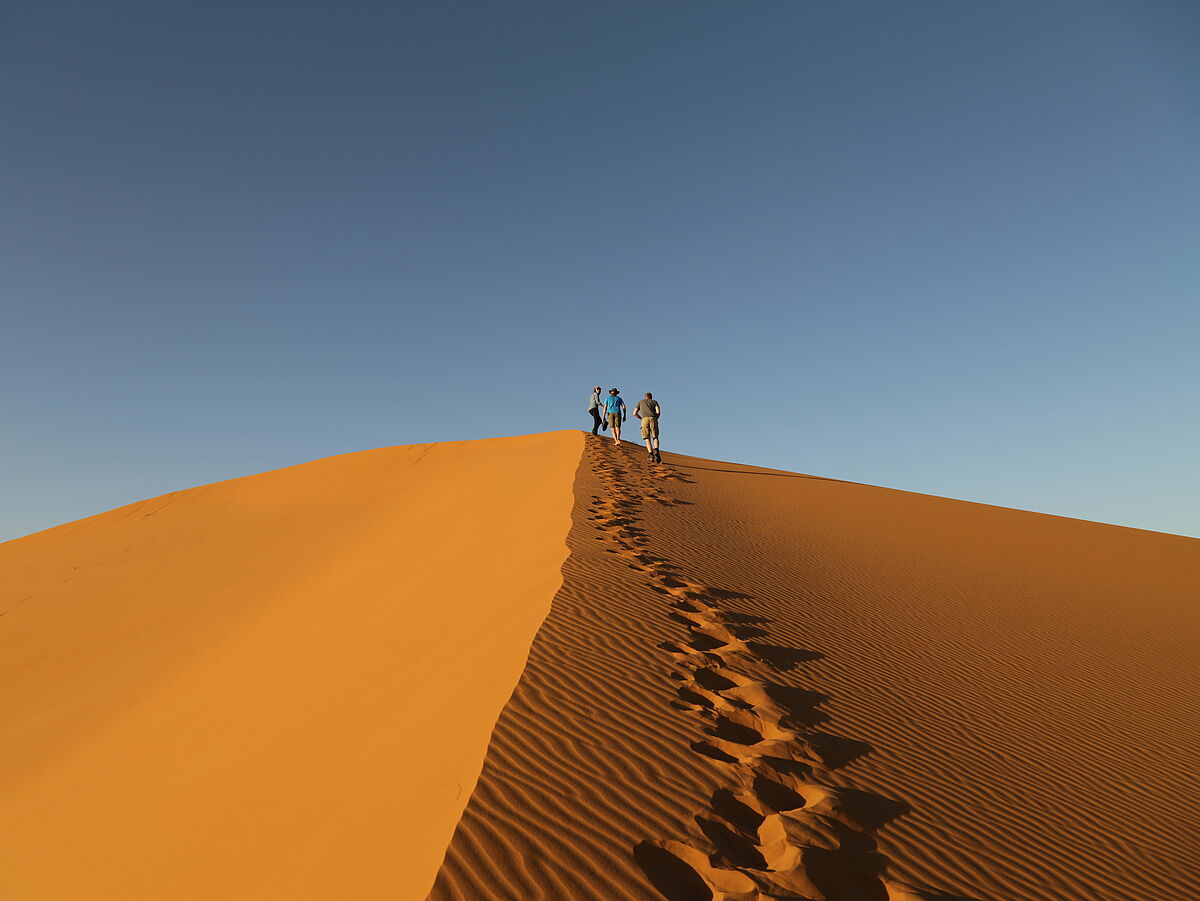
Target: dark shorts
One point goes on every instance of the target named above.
(614, 420)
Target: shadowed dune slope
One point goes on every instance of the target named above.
(280, 686)
(760, 684)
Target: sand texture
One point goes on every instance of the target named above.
(277, 687)
(540, 668)
(756, 684)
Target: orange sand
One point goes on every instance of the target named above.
(750, 684)
(758, 683)
(280, 686)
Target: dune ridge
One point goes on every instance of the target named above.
(582, 761)
(871, 694)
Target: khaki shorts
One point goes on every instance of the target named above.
(614, 420)
(649, 426)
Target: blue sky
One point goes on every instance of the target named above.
(951, 248)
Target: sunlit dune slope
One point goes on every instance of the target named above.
(280, 686)
(761, 684)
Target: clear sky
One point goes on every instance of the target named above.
(947, 247)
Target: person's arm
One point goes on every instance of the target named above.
(624, 411)
(637, 411)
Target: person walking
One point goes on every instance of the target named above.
(648, 410)
(594, 408)
(614, 406)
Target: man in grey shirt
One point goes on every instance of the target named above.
(594, 409)
(648, 410)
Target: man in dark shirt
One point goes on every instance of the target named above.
(594, 408)
(648, 410)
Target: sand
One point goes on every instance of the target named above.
(761, 684)
(280, 686)
(742, 684)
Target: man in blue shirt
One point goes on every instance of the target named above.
(615, 408)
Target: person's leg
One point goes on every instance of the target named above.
(595, 411)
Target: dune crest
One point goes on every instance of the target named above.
(280, 686)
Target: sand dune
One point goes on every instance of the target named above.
(750, 684)
(276, 687)
(758, 684)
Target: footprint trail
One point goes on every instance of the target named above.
(778, 829)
